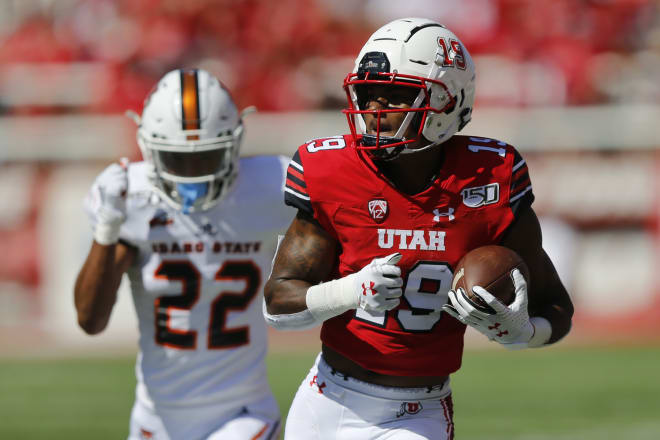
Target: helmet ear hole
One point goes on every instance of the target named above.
(452, 108)
(463, 117)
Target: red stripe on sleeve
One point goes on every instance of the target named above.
(293, 185)
(295, 173)
(518, 174)
(520, 187)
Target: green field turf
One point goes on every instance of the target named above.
(556, 393)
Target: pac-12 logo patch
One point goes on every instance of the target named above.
(378, 210)
(409, 408)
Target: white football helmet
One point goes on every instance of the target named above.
(190, 132)
(417, 53)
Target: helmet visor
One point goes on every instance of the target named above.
(198, 164)
(387, 95)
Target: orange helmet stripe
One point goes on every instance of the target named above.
(190, 119)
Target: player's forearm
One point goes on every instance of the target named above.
(96, 287)
(554, 304)
(284, 296)
(284, 305)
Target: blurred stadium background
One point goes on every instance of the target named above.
(574, 84)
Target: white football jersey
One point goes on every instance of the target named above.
(197, 286)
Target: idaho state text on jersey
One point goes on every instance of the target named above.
(216, 247)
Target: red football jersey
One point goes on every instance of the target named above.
(475, 196)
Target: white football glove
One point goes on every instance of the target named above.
(510, 325)
(109, 202)
(378, 284)
(375, 288)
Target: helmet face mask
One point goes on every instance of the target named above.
(416, 110)
(190, 133)
(417, 54)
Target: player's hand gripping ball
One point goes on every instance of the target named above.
(490, 267)
(484, 282)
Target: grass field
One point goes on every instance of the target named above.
(556, 393)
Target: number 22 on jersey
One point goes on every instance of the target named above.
(219, 337)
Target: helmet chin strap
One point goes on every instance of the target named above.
(190, 192)
(392, 153)
(417, 150)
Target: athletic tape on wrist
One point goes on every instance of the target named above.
(106, 234)
(332, 298)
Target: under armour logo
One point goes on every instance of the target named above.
(320, 386)
(449, 214)
(369, 289)
(500, 333)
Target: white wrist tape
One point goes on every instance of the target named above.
(542, 332)
(332, 298)
(290, 321)
(106, 234)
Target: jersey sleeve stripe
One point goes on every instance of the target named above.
(300, 196)
(520, 185)
(295, 164)
(520, 191)
(300, 182)
(520, 194)
(518, 174)
(295, 177)
(518, 164)
(520, 181)
(296, 187)
(292, 172)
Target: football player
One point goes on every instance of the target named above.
(193, 227)
(384, 215)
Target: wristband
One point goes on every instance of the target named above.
(542, 332)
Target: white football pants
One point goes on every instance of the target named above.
(333, 407)
(258, 421)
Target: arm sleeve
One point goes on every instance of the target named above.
(295, 188)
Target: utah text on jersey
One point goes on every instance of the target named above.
(412, 239)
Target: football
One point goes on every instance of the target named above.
(489, 267)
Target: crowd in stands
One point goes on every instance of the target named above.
(293, 54)
(103, 56)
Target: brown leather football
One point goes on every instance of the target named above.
(489, 267)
